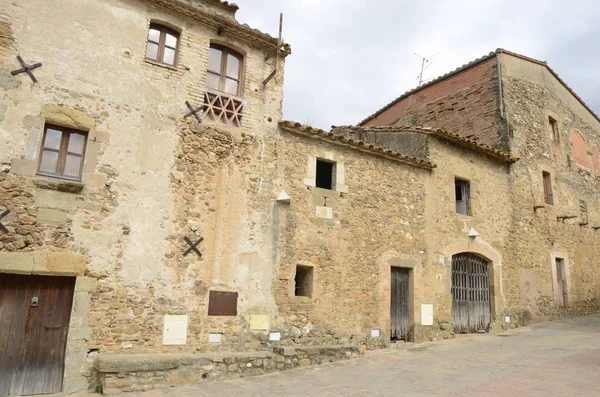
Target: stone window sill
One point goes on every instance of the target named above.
(61, 185)
(162, 65)
(324, 192)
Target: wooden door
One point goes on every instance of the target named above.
(471, 311)
(34, 321)
(399, 315)
(561, 282)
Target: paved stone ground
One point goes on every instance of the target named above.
(560, 358)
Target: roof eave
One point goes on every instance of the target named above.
(316, 133)
(231, 26)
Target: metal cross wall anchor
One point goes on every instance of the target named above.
(193, 246)
(2, 215)
(26, 68)
(193, 112)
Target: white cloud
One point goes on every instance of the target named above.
(351, 57)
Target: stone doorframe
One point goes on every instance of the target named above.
(560, 254)
(479, 246)
(45, 263)
(385, 263)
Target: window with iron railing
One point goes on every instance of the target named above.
(222, 100)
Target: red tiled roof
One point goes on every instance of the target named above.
(228, 24)
(225, 4)
(473, 63)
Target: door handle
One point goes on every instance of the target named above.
(52, 327)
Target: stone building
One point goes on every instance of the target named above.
(520, 105)
(161, 223)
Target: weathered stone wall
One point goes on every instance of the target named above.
(465, 103)
(405, 142)
(448, 231)
(532, 95)
(150, 177)
(346, 238)
(139, 372)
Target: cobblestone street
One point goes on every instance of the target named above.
(552, 358)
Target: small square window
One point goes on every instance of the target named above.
(325, 174)
(554, 129)
(62, 152)
(303, 281)
(462, 190)
(548, 197)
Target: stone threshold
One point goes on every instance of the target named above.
(115, 372)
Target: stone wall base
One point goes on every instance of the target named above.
(139, 372)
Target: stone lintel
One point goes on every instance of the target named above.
(409, 263)
(42, 263)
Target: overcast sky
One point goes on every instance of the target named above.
(351, 57)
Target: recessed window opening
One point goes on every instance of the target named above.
(162, 44)
(554, 129)
(462, 190)
(62, 152)
(548, 197)
(325, 174)
(584, 212)
(303, 281)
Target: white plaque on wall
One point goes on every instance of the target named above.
(426, 314)
(215, 338)
(175, 330)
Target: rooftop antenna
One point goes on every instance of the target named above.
(424, 61)
(275, 72)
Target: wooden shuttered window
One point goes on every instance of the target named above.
(548, 197)
(462, 191)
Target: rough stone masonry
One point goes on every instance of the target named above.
(295, 265)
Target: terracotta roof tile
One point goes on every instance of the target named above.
(472, 63)
(464, 141)
(230, 25)
(331, 137)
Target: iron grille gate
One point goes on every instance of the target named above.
(470, 293)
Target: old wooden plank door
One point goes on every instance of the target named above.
(561, 282)
(471, 311)
(34, 321)
(399, 315)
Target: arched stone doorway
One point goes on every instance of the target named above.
(471, 293)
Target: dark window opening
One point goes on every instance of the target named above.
(325, 174)
(548, 197)
(554, 128)
(303, 281)
(462, 190)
